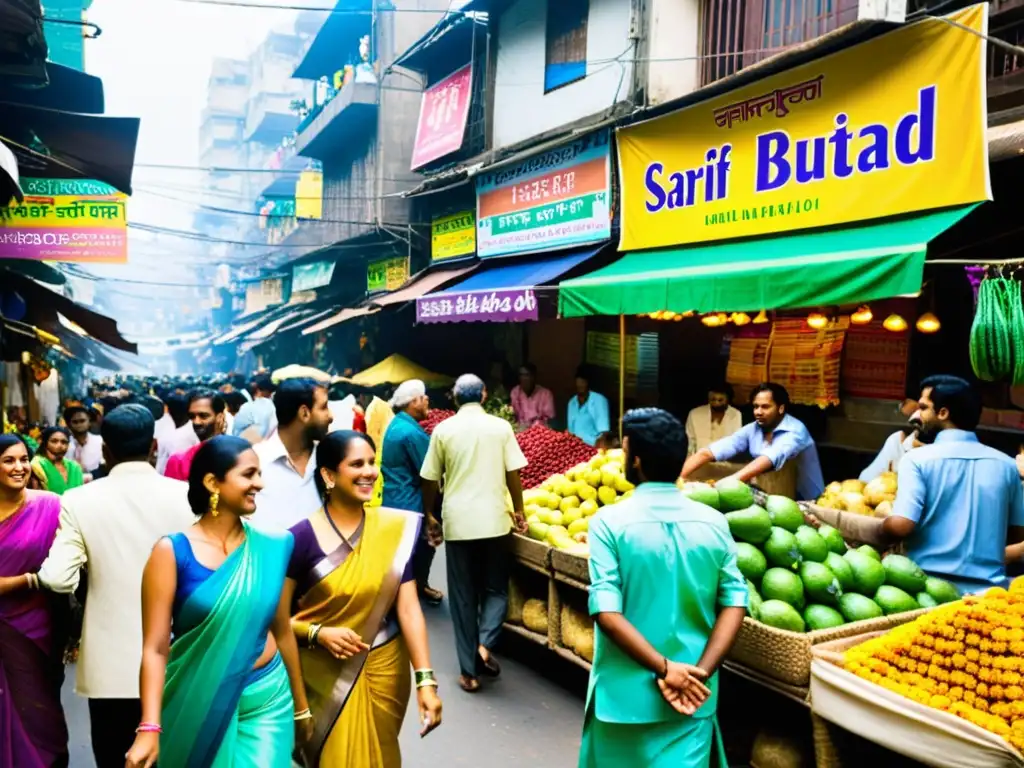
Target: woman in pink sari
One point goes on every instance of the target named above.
(33, 733)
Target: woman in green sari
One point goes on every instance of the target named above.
(54, 472)
(227, 691)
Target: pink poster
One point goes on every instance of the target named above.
(443, 115)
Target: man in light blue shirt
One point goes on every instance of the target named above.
(772, 439)
(668, 599)
(588, 410)
(256, 419)
(959, 503)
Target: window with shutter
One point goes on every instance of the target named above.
(565, 58)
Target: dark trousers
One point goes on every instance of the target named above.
(422, 559)
(478, 573)
(113, 723)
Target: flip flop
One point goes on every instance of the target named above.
(432, 596)
(469, 684)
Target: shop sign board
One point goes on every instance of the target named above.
(893, 125)
(556, 199)
(387, 274)
(306, 277)
(263, 294)
(513, 305)
(71, 220)
(444, 112)
(453, 236)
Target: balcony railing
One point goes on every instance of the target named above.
(738, 33)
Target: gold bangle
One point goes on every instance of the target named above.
(429, 683)
(303, 715)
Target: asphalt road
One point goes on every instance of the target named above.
(531, 716)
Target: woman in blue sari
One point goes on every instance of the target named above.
(221, 683)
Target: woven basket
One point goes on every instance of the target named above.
(575, 567)
(535, 554)
(786, 656)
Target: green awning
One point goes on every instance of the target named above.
(811, 269)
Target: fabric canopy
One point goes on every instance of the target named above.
(395, 370)
(421, 285)
(821, 268)
(522, 274)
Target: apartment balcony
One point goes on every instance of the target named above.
(351, 113)
(269, 118)
(284, 166)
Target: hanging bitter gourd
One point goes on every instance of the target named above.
(1015, 317)
(991, 345)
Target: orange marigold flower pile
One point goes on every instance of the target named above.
(966, 658)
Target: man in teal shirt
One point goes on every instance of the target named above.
(668, 599)
(587, 416)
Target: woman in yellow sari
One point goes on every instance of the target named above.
(357, 616)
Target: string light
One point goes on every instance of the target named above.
(894, 323)
(762, 318)
(928, 323)
(712, 321)
(740, 318)
(862, 316)
(817, 321)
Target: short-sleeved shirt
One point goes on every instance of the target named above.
(790, 442)
(538, 407)
(590, 420)
(963, 496)
(667, 564)
(287, 497)
(402, 454)
(472, 451)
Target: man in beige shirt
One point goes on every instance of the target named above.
(478, 459)
(111, 525)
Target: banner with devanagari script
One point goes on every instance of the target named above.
(889, 126)
(77, 220)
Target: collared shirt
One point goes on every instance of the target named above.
(536, 408)
(888, 459)
(590, 420)
(471, 452)
(402, 454)
(963, 496)
(702, 430)
(111, 525)
(287, 497)
(90, 455)
(667, 564)
(183, 438)
(259, 414)
(179, 465)
(790, 441)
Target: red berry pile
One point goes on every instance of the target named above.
(550, 452)
(434, 417)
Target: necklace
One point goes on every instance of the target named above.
(222, 543)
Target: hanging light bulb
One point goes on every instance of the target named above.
(862, 316)
(678, 318)
(762, 318)
(666, 315)
(712, 321)
(689, 313)
(928, 323)
(894, 323)
(817, 321)
(740, 318)
(722, 318)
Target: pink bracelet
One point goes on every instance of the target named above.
(149, 728)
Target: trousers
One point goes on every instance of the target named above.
(478, 573)
(112, 724)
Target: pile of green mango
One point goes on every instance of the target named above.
(805, 579)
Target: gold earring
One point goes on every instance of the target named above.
(214, 501)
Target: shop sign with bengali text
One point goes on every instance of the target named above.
(453, 236)
(890, 126)
(71, 220)
(444, 112)
(513, 305)
(387, 274)
(557, 199)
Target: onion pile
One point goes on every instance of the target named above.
(434, 417)
(550, 452)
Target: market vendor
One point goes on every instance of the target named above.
(531, 403)
(959, 503)
(709, 423)
(896, 445)
(772, 439)
(588, 411)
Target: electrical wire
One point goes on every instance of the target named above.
(329, 11)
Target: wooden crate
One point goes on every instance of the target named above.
(575, 567)
(533, 554)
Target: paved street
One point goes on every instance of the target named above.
(532, 716)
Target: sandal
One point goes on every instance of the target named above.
(431, 596)
(488, 668)
(469, 684)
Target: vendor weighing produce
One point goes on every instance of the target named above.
(959, 503)
(773, 439)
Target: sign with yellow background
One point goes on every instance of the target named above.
(453, 236)
(309, 195)
(889, 126)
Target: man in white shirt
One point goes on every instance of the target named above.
(111, 525)
(86, 448)
(709, 423)
(287, 459)
(478, 458)
(182, 438)
(896, 446)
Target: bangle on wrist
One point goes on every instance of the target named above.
(149, 728)
(303, 715)
(426, 684)
(312, 634)
(664, 669)
(422, 675)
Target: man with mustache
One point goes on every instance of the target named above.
(207, 411)
(706, 424)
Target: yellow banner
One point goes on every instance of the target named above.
(453, 236)
(309, 195)
(889, 126)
